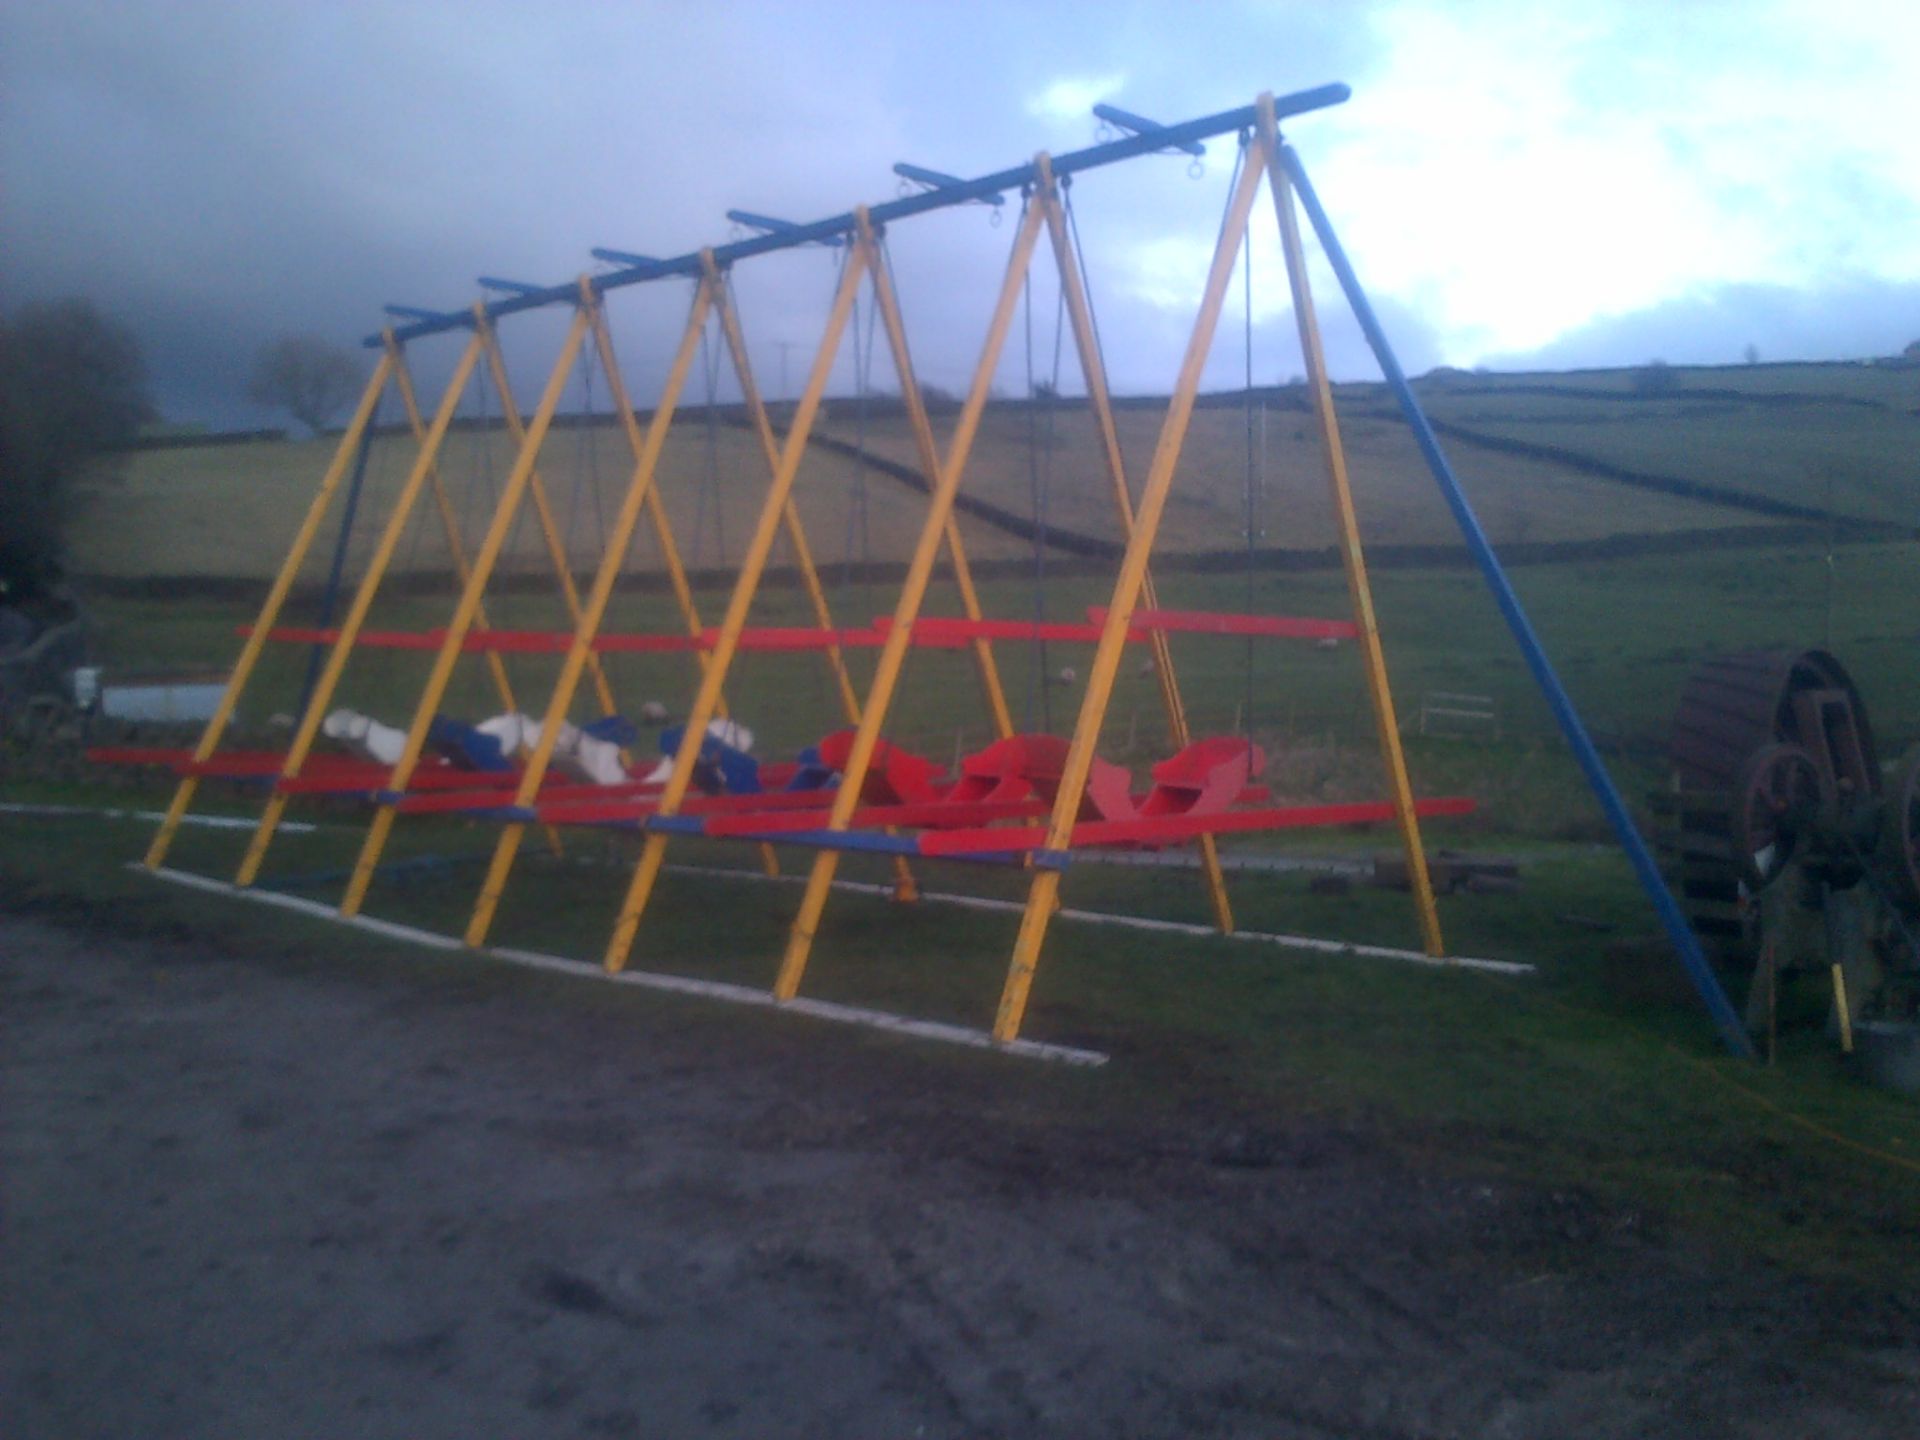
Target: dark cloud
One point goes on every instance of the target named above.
(223, 172)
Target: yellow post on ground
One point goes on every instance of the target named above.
(612, 561)
(269, 616)
(913, 590)
(1093, 367)
(1386, 724)
(752, 564)
(308, 726)
(511, 494)
(543, 511)
(1043, 891)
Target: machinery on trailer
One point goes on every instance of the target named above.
(1791, 847)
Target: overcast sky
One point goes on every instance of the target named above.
(1518, 183)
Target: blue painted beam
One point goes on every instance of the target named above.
(768, 225)
(1140, 125)
(414, 312)
(1112, 152)
(939, 180)
(1732, 1031)
(623, 257)
(509, 287)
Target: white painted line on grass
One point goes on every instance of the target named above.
(1144, 922)
(650, 980)
(316, 908)
(92, 812)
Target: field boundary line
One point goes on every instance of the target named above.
(1146, 922)
(96, 812)
(827, 1010)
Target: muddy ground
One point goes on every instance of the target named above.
(363, 1195)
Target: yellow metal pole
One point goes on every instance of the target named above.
(905, 887)
(511, 494)
(913, 591)
(790, 515)
(612, 561)
(1043, 891)
(1386, 725)
(752, 564)
(656, 512)
(363, 596)
(269, 615)
(1093, 367)
(537, 489)
(929, 455)
(449, 521)
(983, 660)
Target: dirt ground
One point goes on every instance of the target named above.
(335, 1194)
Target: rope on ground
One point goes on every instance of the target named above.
(1812, 1127)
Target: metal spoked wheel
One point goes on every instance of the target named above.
(1779, 793)
(1732, 708)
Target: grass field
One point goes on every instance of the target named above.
(1562, 1078)
(1838, 438)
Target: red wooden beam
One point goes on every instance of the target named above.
(555, 642)
(596, 808)
(953, 632)
(958, 813)
(1209, 622)
(452, 802)
(1179, 827)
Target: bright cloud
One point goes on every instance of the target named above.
(1071, 97)
(1520, 171)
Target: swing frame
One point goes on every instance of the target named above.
(1266, 160)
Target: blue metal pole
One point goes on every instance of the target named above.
(1732, 1031)
(331, 597)
(787, 237)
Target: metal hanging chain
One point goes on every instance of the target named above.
(1037, 697)
(1246, 303)
(514, 545)
(1042, 509)
(858, 536)
(888, 732)
(708, 496)
(586, 463)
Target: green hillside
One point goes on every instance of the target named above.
(1545, 458)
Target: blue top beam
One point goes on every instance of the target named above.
(768, 225)
(939, 180)
(414, 312)
(1140, 125)
(623, 257)
(1126, 148)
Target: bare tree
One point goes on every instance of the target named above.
(310, 378)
